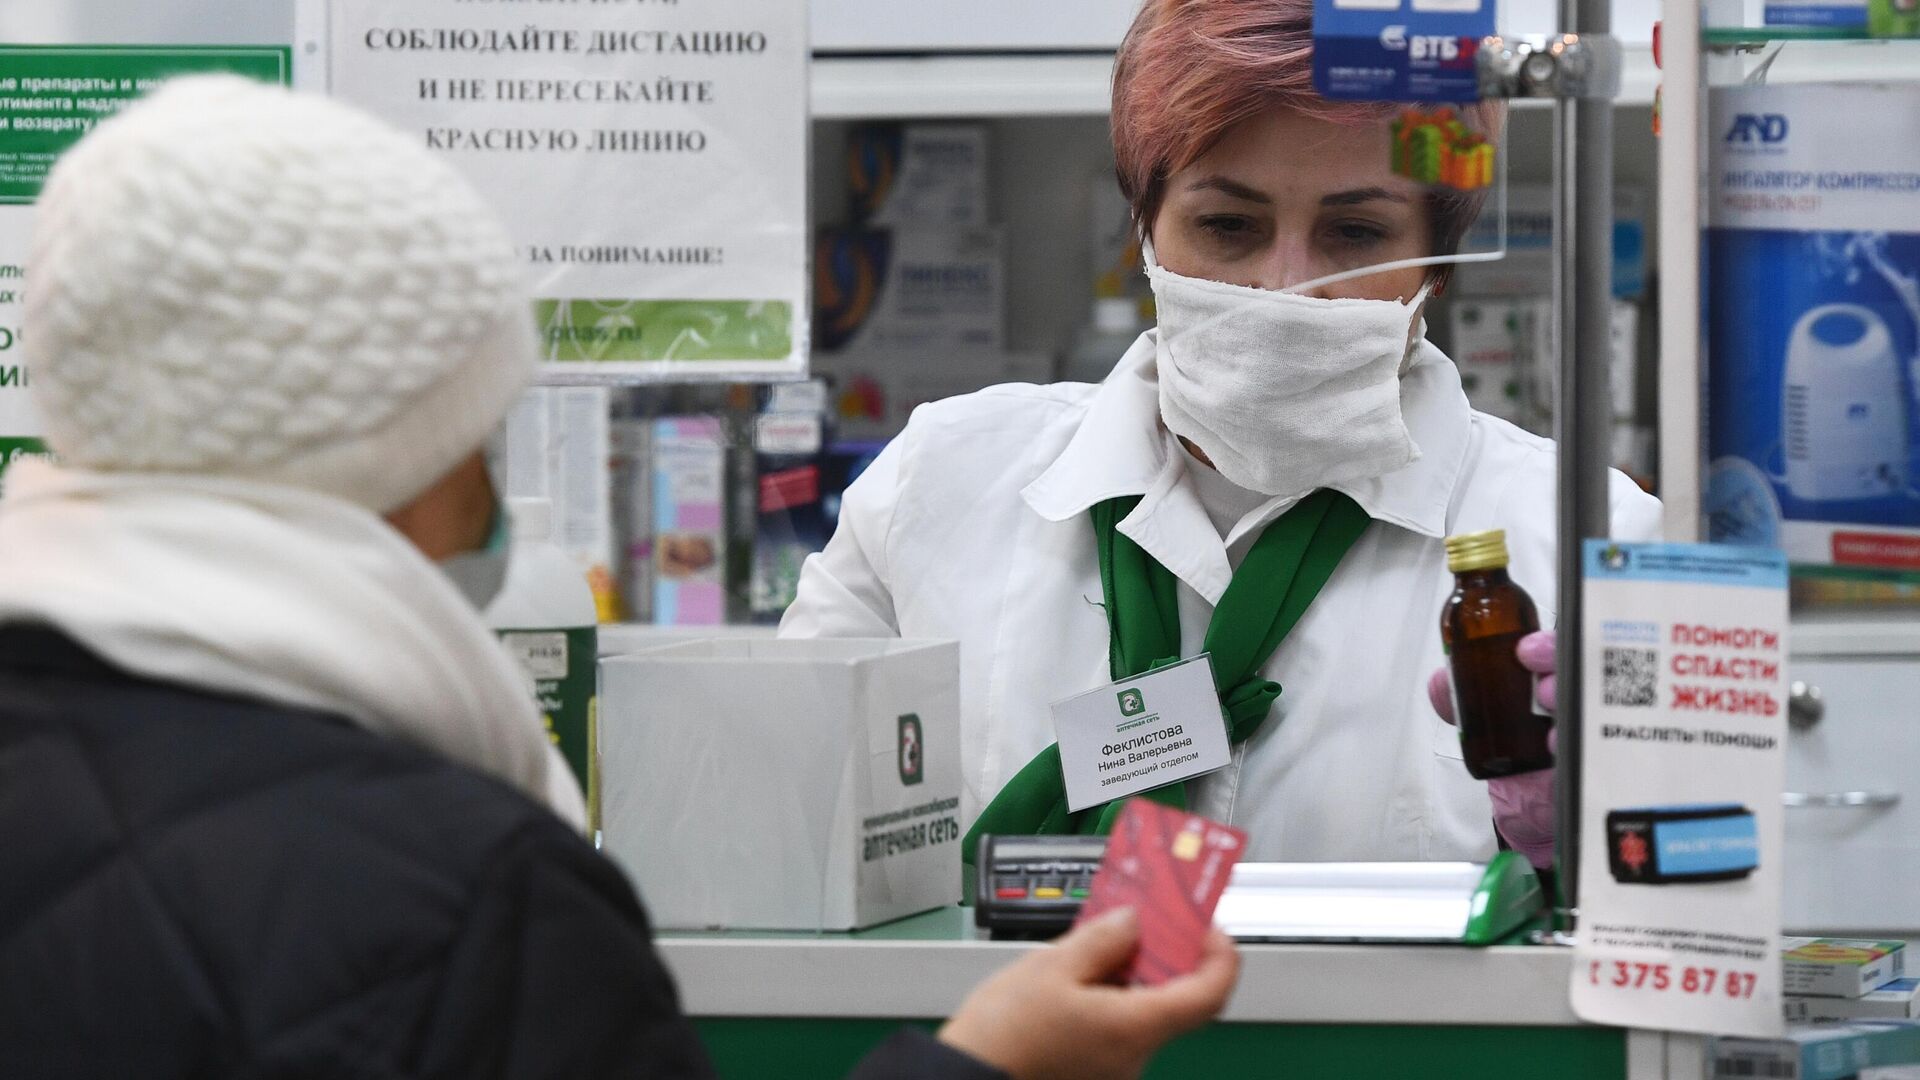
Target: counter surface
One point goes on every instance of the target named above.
(925, 966)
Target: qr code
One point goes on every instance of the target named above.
(1632, 675)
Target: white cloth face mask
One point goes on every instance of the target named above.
(1284, 393)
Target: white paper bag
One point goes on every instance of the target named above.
(784, 785)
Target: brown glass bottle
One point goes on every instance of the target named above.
(1482, 624)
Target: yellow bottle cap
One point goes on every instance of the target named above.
(1477, 551)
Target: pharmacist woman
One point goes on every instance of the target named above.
(1259, 463)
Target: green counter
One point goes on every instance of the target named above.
(814, 1003)
(816, 1049)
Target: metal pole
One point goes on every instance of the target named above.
(1583, 417)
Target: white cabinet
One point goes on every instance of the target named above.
(1853, 847)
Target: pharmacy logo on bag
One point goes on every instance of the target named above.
(1132, 703)
(911, 761)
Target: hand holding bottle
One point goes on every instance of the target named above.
(1523, 807)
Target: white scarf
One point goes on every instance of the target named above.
(273, 593)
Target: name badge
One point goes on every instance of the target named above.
(1141, 733)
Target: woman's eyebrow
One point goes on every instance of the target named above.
(1230, 187)
(1360, 195)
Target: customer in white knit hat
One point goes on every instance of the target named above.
(272, 801)
(260, 322)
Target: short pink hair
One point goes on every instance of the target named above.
(1189, 70)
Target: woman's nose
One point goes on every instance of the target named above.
(1287, 263)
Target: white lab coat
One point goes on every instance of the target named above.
(973, 526)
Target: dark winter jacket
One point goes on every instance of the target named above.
(200, 886)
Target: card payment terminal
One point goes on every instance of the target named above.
(1032, 886)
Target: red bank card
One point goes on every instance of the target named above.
(1170, 867)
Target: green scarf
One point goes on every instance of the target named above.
(1280, 576)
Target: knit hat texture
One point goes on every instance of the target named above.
(230, 279)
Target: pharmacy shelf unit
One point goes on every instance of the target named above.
(1011, 85)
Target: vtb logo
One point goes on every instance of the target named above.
(911, 758)
(1766, 128)
(1434, 47)
(1132, 703)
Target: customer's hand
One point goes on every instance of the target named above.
(1523, 806)
(1058, 1012)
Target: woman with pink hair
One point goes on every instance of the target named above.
(1265, 477)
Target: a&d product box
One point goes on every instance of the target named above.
(784, 785)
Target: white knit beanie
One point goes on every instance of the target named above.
(230, 279)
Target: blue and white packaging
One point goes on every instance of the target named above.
(1835, 14)
(1399, 50)
(1821, 1052)
(1897, 1000)
(1527, 269)
(1813, 322)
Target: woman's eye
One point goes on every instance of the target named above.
(1358, 233)
(1227, 226)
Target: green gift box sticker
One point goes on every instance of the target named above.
(613, 331)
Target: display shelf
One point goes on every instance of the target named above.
(1831, 632)
(1055, 84)
(1857, 61)
(1714, 36)
(1814, 54)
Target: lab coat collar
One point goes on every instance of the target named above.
(1121, 448)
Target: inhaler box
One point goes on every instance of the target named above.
(918, 176)
(689, 459)
(784, 784)
(1813, 309)
(879, 289)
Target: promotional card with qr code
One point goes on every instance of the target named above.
(1683, 715)
(1170, 867)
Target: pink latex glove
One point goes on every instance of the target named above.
(1523, 808)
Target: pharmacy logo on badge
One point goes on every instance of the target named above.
(912, 764)
(1132, 703)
